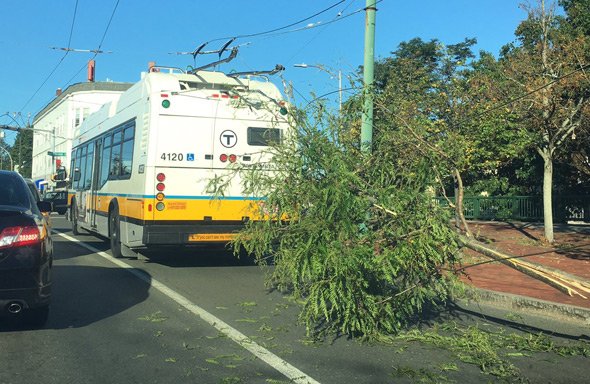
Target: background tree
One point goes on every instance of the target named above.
(444, 101)
(548, 66)
(577, 22)
(577, 15)
(22, 152)
(4, 154)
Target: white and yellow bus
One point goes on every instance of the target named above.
(142, 165)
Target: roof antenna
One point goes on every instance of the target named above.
(197, 51)
(232, 55)
(225, 46)
(278, 68)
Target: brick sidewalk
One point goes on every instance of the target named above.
(570, 253)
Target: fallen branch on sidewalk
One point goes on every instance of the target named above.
(562, 281)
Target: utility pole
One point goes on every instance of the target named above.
(367, 118)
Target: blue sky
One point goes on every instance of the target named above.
(147, 30)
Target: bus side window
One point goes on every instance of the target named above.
(116, 156)
(127, 153)
(105, 160)
(80, 182)
(89, 165)
(77, 168)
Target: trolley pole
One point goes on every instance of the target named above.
(367, 118)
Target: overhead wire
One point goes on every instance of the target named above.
(11, 117)
(58, 63)
(98, 49)
(324, 25)
(321, 24)
(540, 88)
(338, 18)
(280, 28)
(269, 33)
(581, 68)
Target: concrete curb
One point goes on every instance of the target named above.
(545, 315)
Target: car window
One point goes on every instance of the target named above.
(34, 190)
(13, 192)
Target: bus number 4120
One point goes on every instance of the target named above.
(172, 156)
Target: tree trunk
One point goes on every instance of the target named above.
(564, 282)
(459, 203)
(548, 193)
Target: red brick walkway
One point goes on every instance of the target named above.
(570, 253)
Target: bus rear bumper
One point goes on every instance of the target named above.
(187, 234)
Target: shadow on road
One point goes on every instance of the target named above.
(83, 295)
(199, 256)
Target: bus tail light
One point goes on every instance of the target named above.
(160, 177)
(160, 187)
(224, 158)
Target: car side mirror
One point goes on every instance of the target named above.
(77, 174)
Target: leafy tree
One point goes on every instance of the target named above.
(548, 66)
(577, 15)
(577, 21)
(444, 100)
(4, 155)
(22, 152)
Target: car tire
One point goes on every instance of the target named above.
(36, 317)
(74, 219)
(115, 233)
(61, 212)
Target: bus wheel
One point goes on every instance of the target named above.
(115, 233)
(74, 218)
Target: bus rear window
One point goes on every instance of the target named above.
(264, 136)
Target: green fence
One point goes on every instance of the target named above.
(524, 208)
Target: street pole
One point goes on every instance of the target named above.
(322, 68)
(367, 118)
(340, 91)
(10, 157)
(53, 168)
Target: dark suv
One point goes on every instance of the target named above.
(58, 200)
(26, 252)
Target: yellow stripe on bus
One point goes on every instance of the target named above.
(179, 209)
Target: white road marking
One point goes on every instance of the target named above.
(288, 370)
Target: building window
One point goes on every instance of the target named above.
(80, 115)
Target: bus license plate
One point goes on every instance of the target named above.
(210, 237)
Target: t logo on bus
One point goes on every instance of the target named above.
(228, 138)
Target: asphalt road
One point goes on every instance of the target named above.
(203, 317)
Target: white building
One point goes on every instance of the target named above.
(55, 124)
